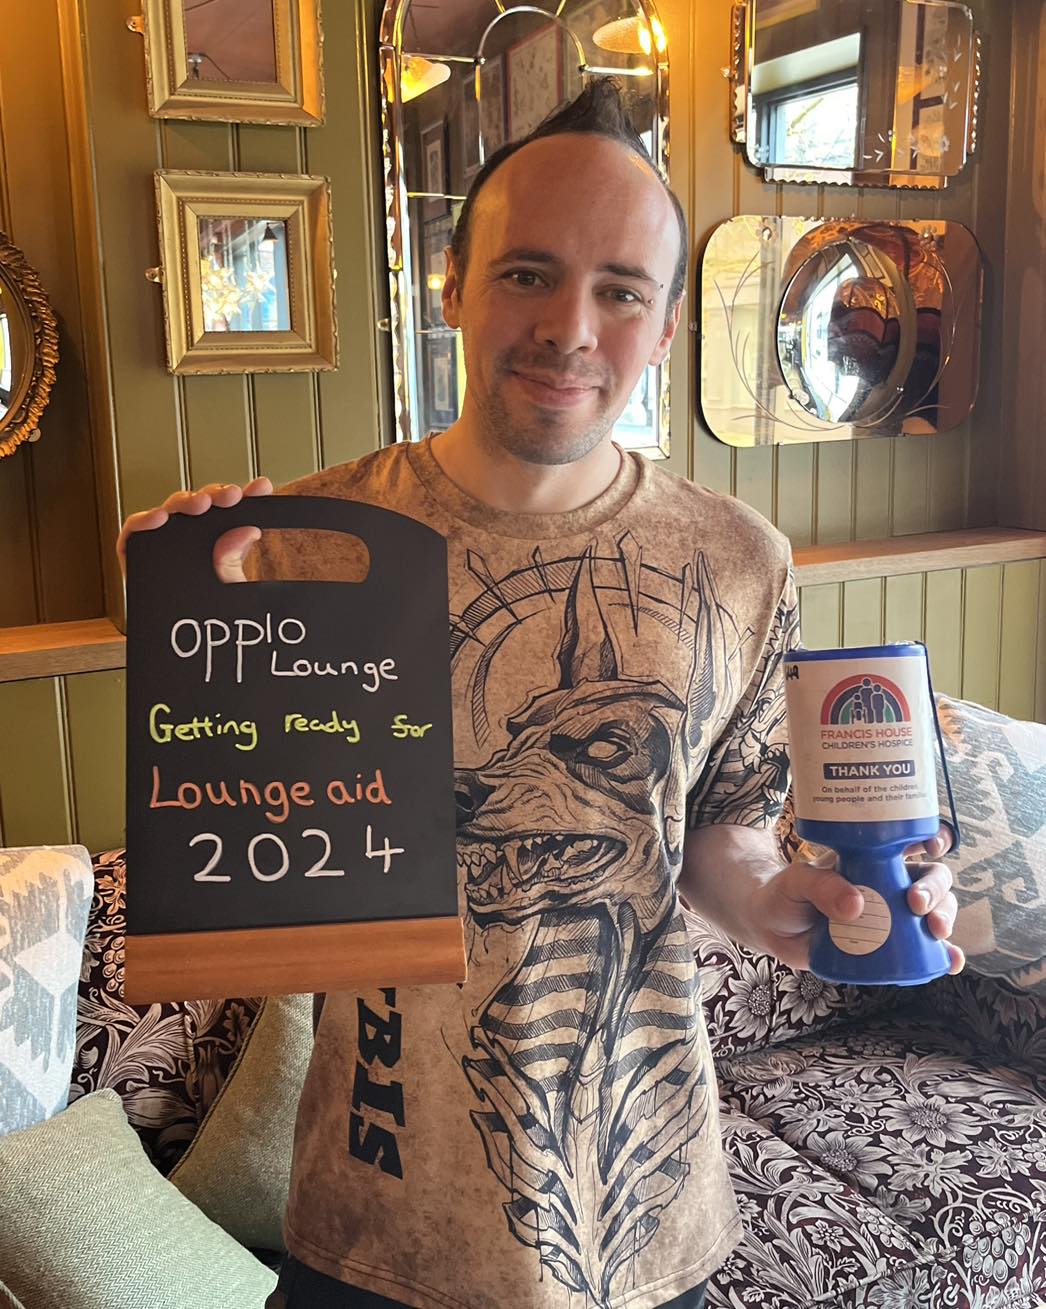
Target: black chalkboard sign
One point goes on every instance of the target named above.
(290, 803)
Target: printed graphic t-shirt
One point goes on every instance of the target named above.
(546, 1136)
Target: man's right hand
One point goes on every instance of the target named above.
(229, 550)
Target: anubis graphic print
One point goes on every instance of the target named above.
(584, 1061)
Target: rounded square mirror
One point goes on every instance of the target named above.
(859, 92)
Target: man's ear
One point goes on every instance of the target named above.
(451, 293)
(671, 323)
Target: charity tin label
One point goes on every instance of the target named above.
(861, 739)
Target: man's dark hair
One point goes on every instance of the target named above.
(599, 110)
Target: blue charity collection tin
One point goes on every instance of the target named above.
(863, 749)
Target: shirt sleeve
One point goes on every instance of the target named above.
(746, 777)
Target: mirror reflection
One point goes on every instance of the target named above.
(230, 40)
(243, 274)
(815, 330)
(472, 76)
(883, 90)
(13, 357)
(845, 333)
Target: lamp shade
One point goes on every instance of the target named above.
(631, 36)
(420, 75)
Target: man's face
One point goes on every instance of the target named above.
(572, 248)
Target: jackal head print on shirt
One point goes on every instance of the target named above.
(587, 1082)
(546, 1136)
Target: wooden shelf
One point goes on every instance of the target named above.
(50, 649)
(928, 553)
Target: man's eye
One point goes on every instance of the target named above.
(623, 295)
(524, 277)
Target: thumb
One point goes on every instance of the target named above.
(803, 889)
(230, 550)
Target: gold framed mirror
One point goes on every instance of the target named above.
(237, 61)
(247, 272)
(460, 78)
(28, 349)
(856, 92)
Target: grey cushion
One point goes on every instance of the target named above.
(45, 893)
(998, 771)
(86, 1222)
(237, 1169)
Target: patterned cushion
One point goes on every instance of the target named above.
(998, 772)
(887, 1167)
(751, 1000)
(166, 1061)
(44, 896)
(991, 1012)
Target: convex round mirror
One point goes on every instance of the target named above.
(28, 349)
(846, 333)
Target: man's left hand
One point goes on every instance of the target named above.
(786, 907)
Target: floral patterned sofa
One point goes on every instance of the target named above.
(887, 1145)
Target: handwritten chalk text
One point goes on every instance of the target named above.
(161, 729)
(275, 798)
(263, 867)
(191, 637)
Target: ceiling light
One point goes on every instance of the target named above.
(631, 36)
(420, 75)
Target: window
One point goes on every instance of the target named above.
(812, 125)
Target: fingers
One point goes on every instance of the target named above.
(802, 887)
(931, 897)
(934, 847)
(230, 551)
(221, 494)
(956, 957)
(145, 521)
(931, 888)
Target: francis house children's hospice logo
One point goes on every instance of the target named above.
(863, 699)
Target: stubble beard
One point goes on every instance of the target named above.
(549, 437)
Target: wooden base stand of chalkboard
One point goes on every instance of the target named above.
(289, 960)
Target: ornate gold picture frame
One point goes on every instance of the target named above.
(265, 64)
(247, 272)
(28, 349)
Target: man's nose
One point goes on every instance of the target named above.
(568, 321)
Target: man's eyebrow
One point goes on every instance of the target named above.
(629, 270)
(530, 255)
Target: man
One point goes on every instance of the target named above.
(546, 1136)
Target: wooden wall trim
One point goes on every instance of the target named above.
(926, 552)
(51, 649)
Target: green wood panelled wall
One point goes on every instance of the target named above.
(841, 491)
(62, 771)
(173, 432)
(985, 629)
